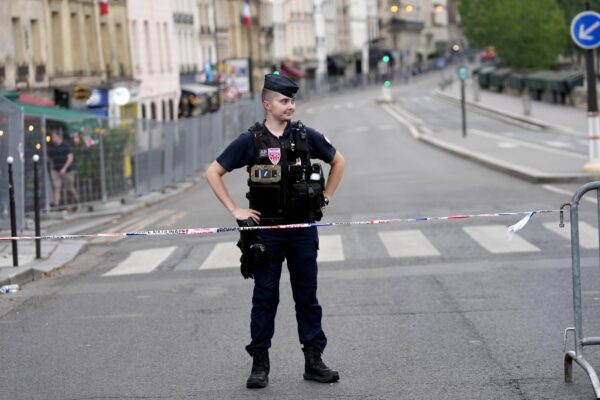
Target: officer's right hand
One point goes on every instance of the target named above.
(243, 214)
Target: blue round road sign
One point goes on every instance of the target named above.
(585, 29)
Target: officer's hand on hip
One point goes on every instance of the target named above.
(245, 213)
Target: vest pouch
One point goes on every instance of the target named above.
(266, 199)
(306, 200)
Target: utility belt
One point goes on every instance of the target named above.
(297, 197)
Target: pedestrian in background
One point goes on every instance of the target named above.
(62, 170)
(284, 188)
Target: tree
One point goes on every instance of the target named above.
(526, 34)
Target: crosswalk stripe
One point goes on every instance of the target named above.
(223, 255)
(407, 243)
(494, 239)
(330, 248)
(134, 225)
(588, 235)
(142, 261)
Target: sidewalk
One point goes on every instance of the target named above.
(56, 253)
(547, 116)
(529, 161)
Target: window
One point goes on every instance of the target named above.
(135, 47)
(18, 44)
(36, 41)
(167, 46)
(164, 111)
(148, 47)
(143, 111)
(121, 52)
(106, 51)
(91, 39)
(76, 54)
(153, 111)
(57, 42)
(171, 110)
(159, 43)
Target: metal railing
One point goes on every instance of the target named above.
(580, 340)
(11, 144)
(116, 159)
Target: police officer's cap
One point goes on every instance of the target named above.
(281, 84)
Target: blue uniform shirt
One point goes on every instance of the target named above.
(240, 152)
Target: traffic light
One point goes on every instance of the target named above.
(387, 83)
(385, 58)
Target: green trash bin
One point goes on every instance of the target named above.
(498, 78)
(536, 83)
(483, 76)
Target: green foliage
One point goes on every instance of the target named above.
(525, 34)
(116, 143)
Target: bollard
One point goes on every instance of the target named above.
(36, 206)
(526, 102)
(476, 91)
(463, 108)
(13, 212)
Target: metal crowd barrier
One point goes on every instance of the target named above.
(11, 144)
(580, 340)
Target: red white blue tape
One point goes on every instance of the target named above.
(207, 231)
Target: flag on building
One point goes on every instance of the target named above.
(246, 13)
(103, 7)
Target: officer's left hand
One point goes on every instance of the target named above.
(242, 214)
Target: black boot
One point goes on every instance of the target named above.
(315, 369)
(259, 377)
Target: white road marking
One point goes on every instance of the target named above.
(555, 189)
(556, 143)
(134, 225)
(330, 248)
(529, 144)
(495, 239)
(507, 145)
(223, 255)
(407, 243)
(358, 129)
(142, 261)
(588, 235)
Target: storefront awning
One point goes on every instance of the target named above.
(75, 121)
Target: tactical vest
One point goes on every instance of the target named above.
(284, 186)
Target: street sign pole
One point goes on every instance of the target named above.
(585, 31)
(463, 74)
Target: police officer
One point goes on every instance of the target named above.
(284, 187)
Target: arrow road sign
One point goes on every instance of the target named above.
(585, 29)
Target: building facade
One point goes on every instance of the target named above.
(66, 52)
(417, 29)
(237, 41)
(155, 58)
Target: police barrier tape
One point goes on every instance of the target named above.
(204, 231)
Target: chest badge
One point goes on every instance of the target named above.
(274, 155)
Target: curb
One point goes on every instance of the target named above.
(37, 269)
(423, 134)
(505, 115)
(524, 173)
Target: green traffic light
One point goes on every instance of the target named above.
(387, 83)
(276, 72)
(385, 58)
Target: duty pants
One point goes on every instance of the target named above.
(300, 249)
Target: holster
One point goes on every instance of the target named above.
(254, 251)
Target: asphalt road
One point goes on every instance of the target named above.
(421, 310)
